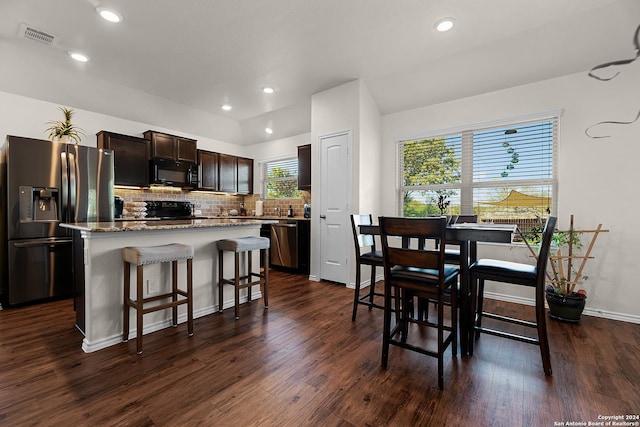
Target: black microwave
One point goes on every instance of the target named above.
(175, 174)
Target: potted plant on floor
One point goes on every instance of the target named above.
(566, 301)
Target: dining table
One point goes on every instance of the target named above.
(467, 235)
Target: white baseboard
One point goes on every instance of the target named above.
(89, 347)
(365, 284)
(587, 311)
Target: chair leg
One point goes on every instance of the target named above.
(356, 293)
(423, 309)
(454, 319)
(386, 327)
(236, 285)
(480, 300)
(220, 282)
(127, 297)
(174, 292)
(542, 333)
(407, 304)
(139, 307)
(372, 286)
(440, 342)
(473, 309)
(265, 255)
(249, 256)
(190, 296)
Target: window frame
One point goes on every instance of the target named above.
(264, 181)
(467, 186)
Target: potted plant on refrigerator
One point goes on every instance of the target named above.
(65, 131)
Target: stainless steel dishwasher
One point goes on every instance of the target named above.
(284, 244)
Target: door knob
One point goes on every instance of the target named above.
(323, 217)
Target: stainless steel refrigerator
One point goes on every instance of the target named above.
(44, 184)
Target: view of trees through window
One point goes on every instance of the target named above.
(431, 163)
(503, 174)
(281, 179)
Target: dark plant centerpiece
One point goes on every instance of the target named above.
(443, 203)
(64, 131)
(566, 301)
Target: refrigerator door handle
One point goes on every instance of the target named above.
(41, 242)
(72, 187)
(64, 165)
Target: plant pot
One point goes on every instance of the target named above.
(566, 308)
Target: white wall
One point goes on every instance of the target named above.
(283, 147)
(597, 177)
(332, 111)
(369, 147)
(23, 116)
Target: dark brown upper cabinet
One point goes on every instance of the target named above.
(235, 174)
(171, 147)
(228, 173)
(208, 170)
(131, 157)
(245, 176)
(304, 167)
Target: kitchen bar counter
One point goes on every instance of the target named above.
(156, 224)
(99, 271)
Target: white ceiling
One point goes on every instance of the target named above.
(174, 63)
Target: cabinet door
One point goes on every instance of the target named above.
(304, 167)
(208, 170)
(245, 176)
(228, 173)
(131, 158)
(186, 149)
(162, 145)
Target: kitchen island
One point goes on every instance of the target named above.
(99, 271)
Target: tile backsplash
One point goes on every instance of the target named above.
(214, 204)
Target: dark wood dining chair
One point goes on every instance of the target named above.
(418, 273)
(366, 254)
(519, 274)
(451, 256)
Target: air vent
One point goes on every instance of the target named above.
(32, 33)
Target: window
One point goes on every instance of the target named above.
(280, 178)
(504, 174)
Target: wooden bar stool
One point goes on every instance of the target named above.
(238, 246)
(140, 256)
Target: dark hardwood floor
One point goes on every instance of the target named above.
(303, 362)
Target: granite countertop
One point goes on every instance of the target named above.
(117, 226)
(271, 217)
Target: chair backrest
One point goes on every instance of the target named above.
(543, 253)
(362, 240)
(408, 228)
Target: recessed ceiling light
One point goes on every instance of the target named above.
(445, 24)
(268, 130)
(227, 107)
(79, 56)
(267, 89)
(109, 15)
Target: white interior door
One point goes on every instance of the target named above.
(335, 228)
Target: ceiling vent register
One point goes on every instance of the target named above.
(32, 33)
